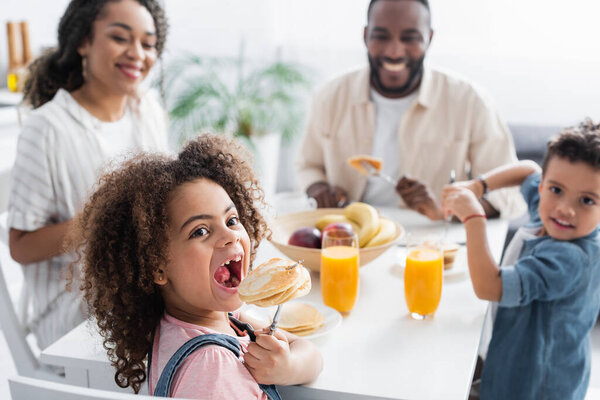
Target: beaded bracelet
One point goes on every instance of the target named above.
(464, 221)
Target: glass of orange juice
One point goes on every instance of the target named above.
(339, 269)
(423, 278)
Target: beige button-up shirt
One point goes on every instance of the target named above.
(451, 125)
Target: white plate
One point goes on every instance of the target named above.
(458, 271)
(332, 318)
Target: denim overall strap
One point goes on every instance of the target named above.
(270, 391)
(163, 386)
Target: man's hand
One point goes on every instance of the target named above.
(327, 196)
(418, 196)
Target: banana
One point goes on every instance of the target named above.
(366, 217)
(385, 233)
(333, 219)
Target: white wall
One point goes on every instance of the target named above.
(42, 17)
(537, 57)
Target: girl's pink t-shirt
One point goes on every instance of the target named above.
(211, 372)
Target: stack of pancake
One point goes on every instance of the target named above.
(275, 282)
(300, 319)
(450, 250)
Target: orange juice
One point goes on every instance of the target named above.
(423, 280)
(339, 277)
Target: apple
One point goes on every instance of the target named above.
(306, 237)
(342, 229)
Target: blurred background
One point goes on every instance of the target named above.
(538, 58)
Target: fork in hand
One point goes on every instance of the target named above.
(273, 325)
(371, 170)
(449, 218)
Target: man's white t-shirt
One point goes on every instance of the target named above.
(388, 113)
(62, 150)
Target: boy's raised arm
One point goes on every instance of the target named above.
(503, 176)
(461, 200)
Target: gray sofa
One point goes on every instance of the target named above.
(530, 140)
(530, 144)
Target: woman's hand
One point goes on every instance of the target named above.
(461, 201)
(28, 247)
(269, 359)
(419, 197)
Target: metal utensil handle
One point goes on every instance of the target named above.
(452, 180)
(374, 172)
(388, 179)
(448, 219)
(275, 320)
(294, 265)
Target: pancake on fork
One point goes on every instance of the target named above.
(357, 163)
(275, 282)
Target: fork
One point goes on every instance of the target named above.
(273, 325)
(449, 218)
(294, 265)
(275, 320)
(374, 172)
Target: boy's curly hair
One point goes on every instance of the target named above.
(60, 67)
(576, 144)
(122, 237)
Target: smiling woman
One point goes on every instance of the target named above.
(88, 111)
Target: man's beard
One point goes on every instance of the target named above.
(416, 71)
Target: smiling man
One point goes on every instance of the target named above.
(422, 122)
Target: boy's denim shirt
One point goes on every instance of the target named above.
(540, 347)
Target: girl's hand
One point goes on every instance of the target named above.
(460, 200)
(269, 359)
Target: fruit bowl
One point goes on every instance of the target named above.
(283, 226)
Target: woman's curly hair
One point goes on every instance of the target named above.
(122, 238)
(60, 67)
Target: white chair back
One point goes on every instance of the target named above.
(14, 331)
(23, 388)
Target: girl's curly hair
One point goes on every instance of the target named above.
(121, 239)
(60, 67)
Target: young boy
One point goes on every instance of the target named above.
(549, 297)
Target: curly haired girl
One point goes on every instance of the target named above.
(164, 244)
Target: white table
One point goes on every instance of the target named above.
(377, 352)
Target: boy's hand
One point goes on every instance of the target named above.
(269, 359)
(459, 200)
(473, 185)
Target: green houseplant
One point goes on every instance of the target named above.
(228, 95)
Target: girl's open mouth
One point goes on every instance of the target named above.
(229, 274)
